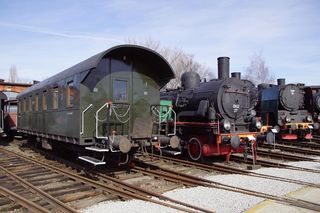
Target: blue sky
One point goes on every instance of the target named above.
(42, 38)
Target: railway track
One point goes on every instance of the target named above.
(291, 149)
(225, 169)
(302, 144)
(190, 180)
(282, 156)
(186, 180)
(267, 163)
(113, 190)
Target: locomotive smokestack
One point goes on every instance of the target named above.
(236, 75)
(223, 67)
(281, 81)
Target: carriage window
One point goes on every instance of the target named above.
(30, 104)
(44, 100)
(19, 106)
(120, 90)
(36, 103)
(70, 94)
(24, 105)
(55, 98)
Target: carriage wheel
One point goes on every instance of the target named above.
(194, 149)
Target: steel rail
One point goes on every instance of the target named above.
(150, 193)
(95, 184)
(303, 144)
(41, 193)
(283, 156)
(274, 164)
(189, 179)
(129, 187)
(291, 149)
(107, 179)
(231, 170)
(31, 206)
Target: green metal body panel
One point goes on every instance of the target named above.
(93, 81)
(164, 109)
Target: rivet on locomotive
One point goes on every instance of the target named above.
(284, 110)
(101, 106)
(214, 118)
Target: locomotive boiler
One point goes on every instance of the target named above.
(216, 117)
(283, 108)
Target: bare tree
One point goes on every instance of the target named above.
(257, 71)
(179, 60)
(13, 74)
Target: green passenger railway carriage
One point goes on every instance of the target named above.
(101, 105)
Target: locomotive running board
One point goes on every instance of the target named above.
(92, 160)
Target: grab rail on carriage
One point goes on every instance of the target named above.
(82, 118)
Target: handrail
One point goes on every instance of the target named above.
(97, 121)
(82, 118)
(162, 118)
(174, 124)
(2, 119)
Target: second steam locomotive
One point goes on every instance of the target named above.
(217, 117)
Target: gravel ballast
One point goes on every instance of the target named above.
(221, 200)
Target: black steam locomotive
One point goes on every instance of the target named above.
(216, 117)
(313, 105)
(284, 109)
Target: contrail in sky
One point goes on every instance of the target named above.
(53, 33)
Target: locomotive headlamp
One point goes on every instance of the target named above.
(288, 119)
(258, 124)
(309, 118)
(253, 113)
(226, 124)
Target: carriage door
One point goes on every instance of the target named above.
(144, 94)
(120, 111)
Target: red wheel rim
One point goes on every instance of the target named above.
(194, 149)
